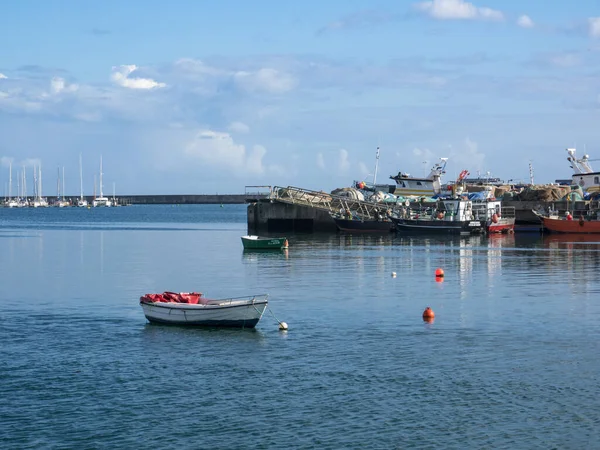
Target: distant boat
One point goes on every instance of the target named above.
(264, 243)
(102, 200)
(194, 309)
(83, 203)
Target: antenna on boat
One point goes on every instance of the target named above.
(376, 165)
(530, 173)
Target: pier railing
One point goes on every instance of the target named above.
(335, 204)
(254, 193)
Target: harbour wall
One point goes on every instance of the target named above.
(184, 199)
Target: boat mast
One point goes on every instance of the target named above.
(63, 190)
(9, 180)
(530, 173)
(101, 194)
(80, 179)
(376, 165)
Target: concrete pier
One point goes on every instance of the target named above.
(265, 215)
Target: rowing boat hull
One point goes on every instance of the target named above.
(243, 315)
(263, 243)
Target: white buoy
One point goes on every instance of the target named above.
(283, 326)
(393, 274)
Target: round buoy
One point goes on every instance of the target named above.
(393, 274)
(569, 216)
(283, 326)
(428, 314)
(439, 273)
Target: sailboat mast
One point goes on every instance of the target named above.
(9, 180)
(63, 190)
(376, 166)
(101, 194)
(80, 179)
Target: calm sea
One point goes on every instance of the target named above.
(511, 360)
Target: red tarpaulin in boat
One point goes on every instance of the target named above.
(173, 297)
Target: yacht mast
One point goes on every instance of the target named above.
(101, 194)
(376, 165)
(80, 179)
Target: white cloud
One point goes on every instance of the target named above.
(468, 157)
(2, 76)
(343, 162)
(59, 85)
(458, 9)
(218, 149)
(266, 80)
(320, 161)
(120, 76)
(594, 26)
(238, 127)
(525, 21)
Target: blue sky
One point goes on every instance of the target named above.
(204, 97)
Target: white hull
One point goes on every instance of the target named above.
(227, 313)
(102, 201)
(82, 203)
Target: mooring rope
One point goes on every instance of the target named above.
(269, 309)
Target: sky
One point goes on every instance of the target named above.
(203, 97)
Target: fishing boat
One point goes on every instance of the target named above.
(193, 309)
(251, 242)
(583, 174)
(351, 224)
(453, 216)
(584, 222)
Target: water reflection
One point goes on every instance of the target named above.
(254, 255)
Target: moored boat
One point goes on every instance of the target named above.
(192, 308)
(385, 225)
(251, 242)
(582, 224)
(457, 215)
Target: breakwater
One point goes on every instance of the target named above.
(175, 199)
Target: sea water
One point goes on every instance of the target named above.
(510, 361)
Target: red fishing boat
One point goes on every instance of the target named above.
(583, 223)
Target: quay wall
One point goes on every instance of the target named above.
(279, 217)
(184, 199)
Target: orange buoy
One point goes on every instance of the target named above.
(428, 314)
(439, 273)
(569, 217)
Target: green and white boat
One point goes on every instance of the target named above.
(264, 243)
